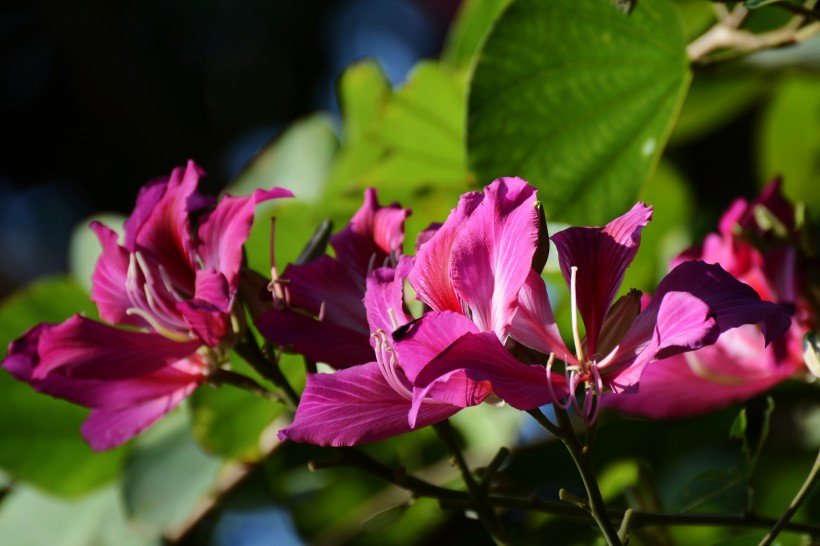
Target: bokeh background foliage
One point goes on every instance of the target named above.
(597, 109)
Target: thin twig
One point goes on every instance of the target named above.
(811, 480)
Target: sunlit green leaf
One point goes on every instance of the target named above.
(790, 140)
(31, 518)
(474, 19)
(41, 441)
(578, 99)
(165, 476)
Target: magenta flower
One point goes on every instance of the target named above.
(692, 306)
(370, 401)
(175, 284)
(321, 314)
(739, 365)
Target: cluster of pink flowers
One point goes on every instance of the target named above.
(174, 284)
(487, 330)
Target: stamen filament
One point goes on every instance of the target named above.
(579, 351)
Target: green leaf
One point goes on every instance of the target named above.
(474, 19)
(84, 247)
(408, 143)
(753, 4)
(299, 159)
(31, 518)
(232, 422)
(789, 142)
(579, 99)
(165, 476)
(41, 442)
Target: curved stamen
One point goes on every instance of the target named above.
(159, 328)
(386, 359)
(555, 400)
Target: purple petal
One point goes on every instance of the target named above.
(430, 277)
(319, 341)
(601, 256)
(492, 254)
(373, 233)
(85, 349)
(224, 230)
(107, 428)
(533, 324)
(482, 358)
(325, 288)
(355, 406)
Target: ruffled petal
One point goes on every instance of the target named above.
(355, 406)
(160, 225)
(430, 277)
(110, 278)
(372, 235)
(722, 299)
(492, 254)
(107, 428)
(224, 230)
(533, 324)
(85, 349)
(601, 256)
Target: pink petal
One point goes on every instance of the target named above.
(418, 343)
(207, 315)
(533, 324)
(430, 277)
(492, 254)
(355, 406)
(683, 323)
(107, 428)
(109, 280)
(601, 256)
(224, 230)
(160, 224)
(482, 358)
(105, 396)
(736, 368)
(373, 233)
(85, 349)
(319, 341)
(385, 294)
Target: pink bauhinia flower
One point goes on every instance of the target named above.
(692, 306)
(174, 285)
(371, 401)
(320, 313)
(739, 365)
